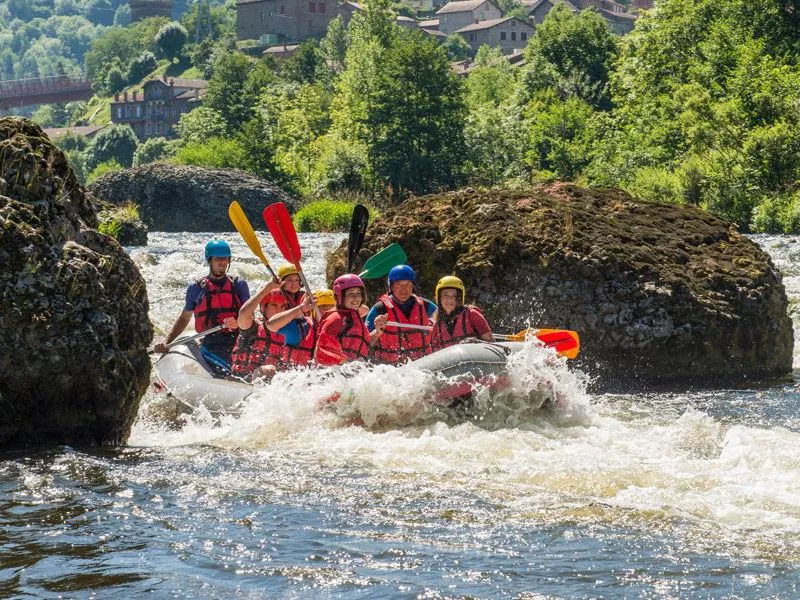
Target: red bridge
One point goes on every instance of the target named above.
(44, 90)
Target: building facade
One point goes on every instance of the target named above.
(457, 15)
(283, 20)
(156, 110)
(141, 9)
(508, 33)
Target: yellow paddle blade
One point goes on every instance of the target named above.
(239, 220)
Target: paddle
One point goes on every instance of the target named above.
(381, 263)
(358, 228)
(276, 217)
(239, 220)
(189, 339)
(564, 341)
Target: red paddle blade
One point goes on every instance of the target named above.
(277, 219)
(564, 341)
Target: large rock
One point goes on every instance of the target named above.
(181, 198)
(660, 294)
(74, 326)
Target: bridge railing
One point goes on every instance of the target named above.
(41, 85)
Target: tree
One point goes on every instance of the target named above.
(225, 91)
(417, 117)
(201, 124)
(122, 16)
(334, 45)
(117, 142)
(142, 65)
(71, 141)
(304, 64)
(579, 48)
(170, 39)
(115, 80)
(153, 149)
(457, 47)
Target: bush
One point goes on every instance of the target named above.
(117, 142)
(77, 162)
(325, 215)
(140, 66)
(115, 80)
(111, 222)
(779, 214)
(152, 150)
(220, 153)
(656, 185)
(108, 166)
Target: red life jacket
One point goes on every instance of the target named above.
(353, 341)
(216, 303)
(263, 349)
(442, 337)
(295, 299)
(397, 344)
(304, 352)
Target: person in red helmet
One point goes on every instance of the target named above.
(213, 300)
(343, 335)
(259, 351)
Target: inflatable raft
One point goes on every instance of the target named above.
(183, 375)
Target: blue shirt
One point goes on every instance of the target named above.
(194, 292)
(406, 307)
(294, 331)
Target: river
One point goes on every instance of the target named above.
(658, 495)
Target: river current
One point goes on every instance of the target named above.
(657, 495)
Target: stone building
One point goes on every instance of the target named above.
(156, 111)
(456, 15)
(508, 33)
(141, 9)
(283, 20)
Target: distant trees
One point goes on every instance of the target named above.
(170, 39)
(117, 142)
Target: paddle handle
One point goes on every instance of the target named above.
(317, 311)
(196, 336)
(408, 326)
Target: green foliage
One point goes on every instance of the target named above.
(417, 118)
(578, 50)
(77, 162)
(457, 47)
(779, 214)
(228, 92)
(117, 143)
(305, 64)
(152, 150)
(141, 66)
(71, 141)
(334, 45)
(324, 215)
(201, 124)
(112, 221)
(341, 165)
(219, 153)
(559, 135)
(108, 166)
(115, 80)
(170, 39)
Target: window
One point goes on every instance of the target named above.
(482, 16)
(283, 10)
(312, 7)
(502, 35)
(262, 16)
(513, 36)
(513, 23)
(138, 110)
(323, 8)
(523, 36)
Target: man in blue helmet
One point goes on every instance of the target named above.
(213, 300)
(401, 305)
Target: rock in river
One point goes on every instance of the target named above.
(74, 327)
(662, 295)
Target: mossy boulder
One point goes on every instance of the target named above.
(186, 198)
(74, 324)
(662, 295)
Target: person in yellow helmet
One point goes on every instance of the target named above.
(290, 277)
(299, 329)
(454, 320)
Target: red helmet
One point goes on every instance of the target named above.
(345, 282)
(273, 297)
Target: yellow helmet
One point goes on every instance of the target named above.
(324, 297)
(286, 270)
(450, 281)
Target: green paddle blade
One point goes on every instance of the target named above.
(381, 263)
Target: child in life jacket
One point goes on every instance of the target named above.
(343, 335)
(300, 329)
(259, 351)
(455, 321)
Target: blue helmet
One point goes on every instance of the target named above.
(402, 273)
(218, 249)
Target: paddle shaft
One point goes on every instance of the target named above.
(499, 336)
(196, 336)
